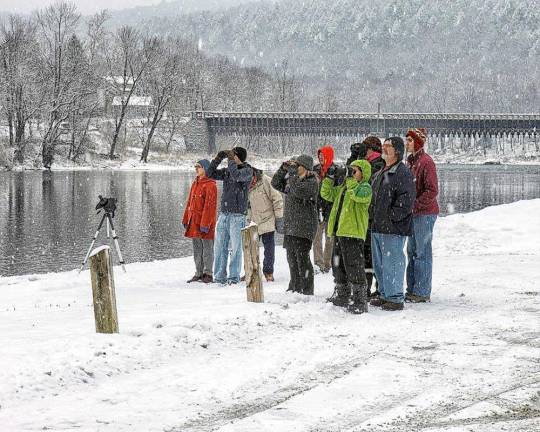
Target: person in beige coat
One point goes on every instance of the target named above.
(265, 208)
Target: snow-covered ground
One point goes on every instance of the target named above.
(184, 161)
(200, 358)
(161, 163)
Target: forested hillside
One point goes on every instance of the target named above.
(459, 55)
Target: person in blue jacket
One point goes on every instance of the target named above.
(232, 217)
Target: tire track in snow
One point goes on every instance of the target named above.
(440, 415)
(239, 411)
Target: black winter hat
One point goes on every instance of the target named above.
(241, 152)
(398, 144)
(306, 161)
(359, 150)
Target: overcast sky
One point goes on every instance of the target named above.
(84, 6)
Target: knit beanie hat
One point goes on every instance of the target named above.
(205, 163)
(372, 142)
(241, 152)
(419, 137)
(399, 146)
(306, 161)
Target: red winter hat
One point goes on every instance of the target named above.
(419, 137)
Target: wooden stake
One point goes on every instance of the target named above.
(101, 272)
(252, 267)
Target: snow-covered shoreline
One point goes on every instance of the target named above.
(183, 164)
(198, 358)
(186, 163)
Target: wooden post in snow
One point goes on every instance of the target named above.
(252, 267)
(101, 272)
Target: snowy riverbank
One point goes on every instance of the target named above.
(184, 162)
(200, 358)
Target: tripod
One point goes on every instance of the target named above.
(108, 217)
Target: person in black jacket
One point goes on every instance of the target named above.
(296, 180)
(391, 214)
(232, 217)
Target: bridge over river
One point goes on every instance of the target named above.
(357, 125)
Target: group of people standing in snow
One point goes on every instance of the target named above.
(357, 218)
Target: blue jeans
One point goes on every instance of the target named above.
(228, 238)
(269, 244)
(389, 265)
(419, 268)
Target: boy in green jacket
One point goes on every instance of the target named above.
(348, 223)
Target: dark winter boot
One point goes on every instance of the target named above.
(341, 295)
(359, 299)
(195, 279)
(413, 298)
(377, 301)
(269, 277)
(309, 290)
(389, 306)
(206, 278)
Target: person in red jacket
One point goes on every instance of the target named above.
(425, 211)
(199, 221)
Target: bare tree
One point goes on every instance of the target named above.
(255, 89)
(17, 41)
(97, 40)
(56, 24)
(84, 106)
(286, 86)
(162, 84)
(90, 57)
(132, 56)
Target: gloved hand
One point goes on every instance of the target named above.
(358, 151)
(221, 155)
(292, 169)
(204, 230)
(331, 172)
(280, 227)
(185, 226)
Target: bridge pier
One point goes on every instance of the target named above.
(211, 141)
(200, 136)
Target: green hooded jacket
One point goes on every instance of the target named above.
(353, 218)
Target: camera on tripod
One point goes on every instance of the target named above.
(108, 205)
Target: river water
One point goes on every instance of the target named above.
(47, 219)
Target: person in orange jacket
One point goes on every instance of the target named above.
(199, 221)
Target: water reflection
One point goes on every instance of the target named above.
(47, 219)
(468, 188)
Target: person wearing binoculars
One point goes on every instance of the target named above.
(297, 181)
(232, 217)
(348, 223)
